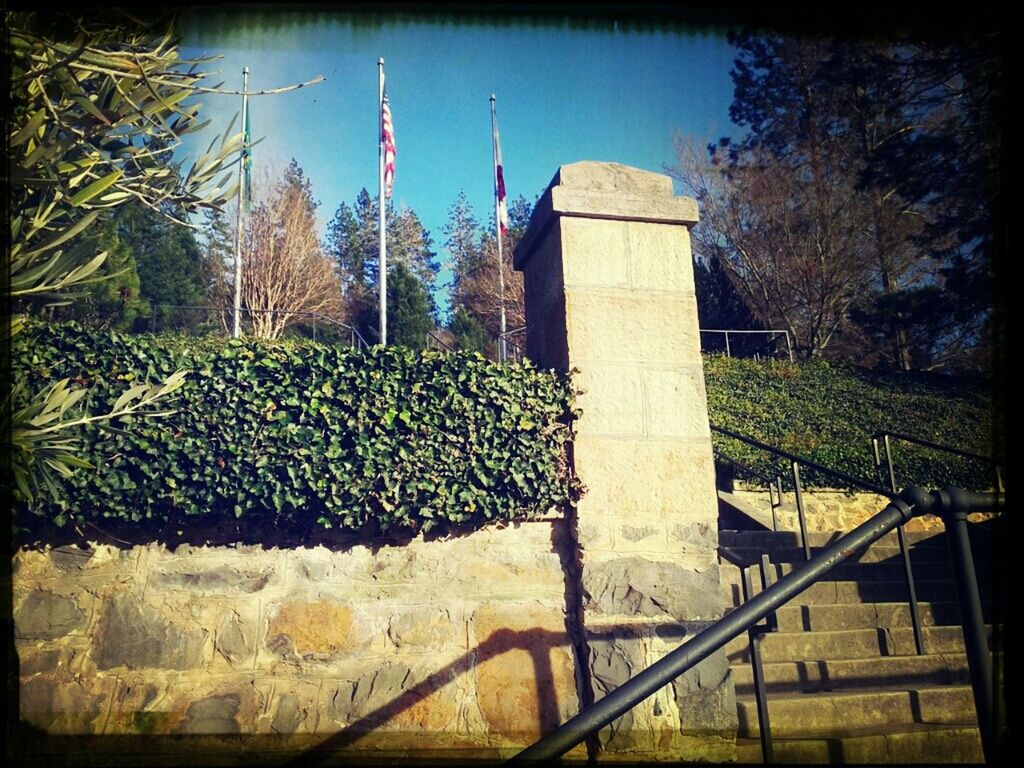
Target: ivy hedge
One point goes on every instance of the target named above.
(301, 435)
(828, 413)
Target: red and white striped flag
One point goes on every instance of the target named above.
(387, 137)
(499, 181)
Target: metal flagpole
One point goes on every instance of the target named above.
(502, 351)
(383, 278)
(236, 326)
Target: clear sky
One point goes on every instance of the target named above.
(563, 95)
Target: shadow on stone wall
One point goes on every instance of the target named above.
(211, 734)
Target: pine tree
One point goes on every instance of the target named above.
(353, 242)
(462, 241)
(468, 332)
(114, 302)
(410, 310)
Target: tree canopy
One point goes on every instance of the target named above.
(97, 107)
(353, 242)
(857, 210)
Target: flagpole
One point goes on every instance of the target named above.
(383, 277)
(236, 325)
(502, 353)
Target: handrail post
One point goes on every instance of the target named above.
(727, 352)
(908, 571)
(778, 497)
(888, 461)
(800, 510)
(754, 633)
(979, 660)
(774, 501)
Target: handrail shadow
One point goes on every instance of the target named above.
(538, 642)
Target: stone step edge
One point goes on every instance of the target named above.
(928, 629)
(951, 658)
(962, 688)
(907, 744)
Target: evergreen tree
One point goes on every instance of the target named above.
(410, 311)
(168, 259)
(462, 241)
(353, 242)
(468, 332)
(115, 301)
(720, 306)
(218, 247)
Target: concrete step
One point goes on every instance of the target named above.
(920, 743)
(845, 591)
(769, 539)
(887, 571)
(847, 644)
(817, 714)
(876, 553)
(794, 618)
(839, 674)
(734, 510)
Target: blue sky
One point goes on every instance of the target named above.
(563, 95)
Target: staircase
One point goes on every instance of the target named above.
(844, 682)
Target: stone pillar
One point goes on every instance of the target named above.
(609, 291)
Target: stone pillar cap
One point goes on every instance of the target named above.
(596, 190)
(611, 177)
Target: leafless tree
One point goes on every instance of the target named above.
(285, 272)
(481, 289)
(790, 238)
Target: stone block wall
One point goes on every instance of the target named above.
(450, 647)
(829, 509)
(468, 647)
(609, 292)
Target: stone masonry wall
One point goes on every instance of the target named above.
(468, 647)
(454, 646)
(831, 509)
(609, 292)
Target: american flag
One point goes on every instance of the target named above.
(387, 137)
(499, 181)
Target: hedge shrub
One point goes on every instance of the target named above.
(302, 434)
(828, 414)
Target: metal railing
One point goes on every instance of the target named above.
(952, 504)
(512, 350)
(886, 437)
(218, 319)
(754, 636)
(771, 336)
(855, 482)
(437, 343)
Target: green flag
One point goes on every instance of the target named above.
(246, 161)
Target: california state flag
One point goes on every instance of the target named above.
(499, 181)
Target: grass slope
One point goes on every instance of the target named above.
(828, 413)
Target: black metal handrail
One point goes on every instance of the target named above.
(438, 342)
(795, 462)
(936, 446)
(951, 503)
(885, 438)
(857, 482)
